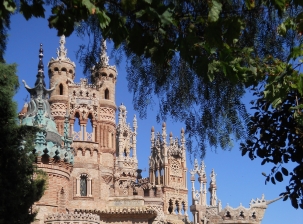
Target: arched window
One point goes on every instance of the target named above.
(83, 185)
(106, 94)
(77, 131)
(89, 129)
(61, 89)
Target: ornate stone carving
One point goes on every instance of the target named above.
(107, 114)
(160, 214)
(175, 168)
(72, 218)
(107, 178)
(58, 109)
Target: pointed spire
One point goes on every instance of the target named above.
(103, 56)
(213, 177)
(201, 172)
(40, 75)
(135, 123)
(61, 54)
(40, 64)
(39, 91)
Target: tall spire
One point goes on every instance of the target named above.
(40, 64)
(103, 56)
(40, 75)
(39, 91)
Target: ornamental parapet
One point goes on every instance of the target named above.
(140, 211)
(72, 218)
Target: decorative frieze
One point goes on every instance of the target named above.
(72, 218)
(58, 109)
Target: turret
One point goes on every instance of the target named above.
(104, 77)
(61, 72)
(126, 168)
(167, 171)
(54, 152)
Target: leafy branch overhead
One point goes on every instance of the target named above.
(196, 59)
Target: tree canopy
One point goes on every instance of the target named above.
(198, 58)
(20, 183)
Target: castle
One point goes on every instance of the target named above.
(93, 176)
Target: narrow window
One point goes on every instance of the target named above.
(106, 94)
(77, 134)
(61, 89)
(83, 185)
(170, 206)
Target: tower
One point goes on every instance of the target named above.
(126, 167)
(91, 109)
(54, 152)
(167, 172)
(61, 72)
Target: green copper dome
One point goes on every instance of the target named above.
(48, 140)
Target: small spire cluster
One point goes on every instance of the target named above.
(62, 51)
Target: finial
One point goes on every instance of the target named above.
(182, 130)
(103, 56)
(40, 64)
(170, 134)
(152, 129)
(163, 124)
(135, 122)
(213, 177)
(62, 52)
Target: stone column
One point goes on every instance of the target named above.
(89, 187)
(84, 133)
(94, 133)
(81, 132)
(78, 187)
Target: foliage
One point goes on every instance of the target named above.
(278, 140)
(197, 57)
(18, 187)
(276, 126)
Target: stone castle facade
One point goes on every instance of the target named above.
(93, 174)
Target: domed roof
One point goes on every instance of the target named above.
(38, 113)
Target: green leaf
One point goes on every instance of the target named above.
(282, 29)
(250, 4)
(244, 151)
(279, 176)
(9, 5)
(166, 17)
(276, 102)
(104, 20)
(215, 9)
(284, 171)
(90, 6)
(280, 4)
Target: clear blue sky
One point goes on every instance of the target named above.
(238, 178)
